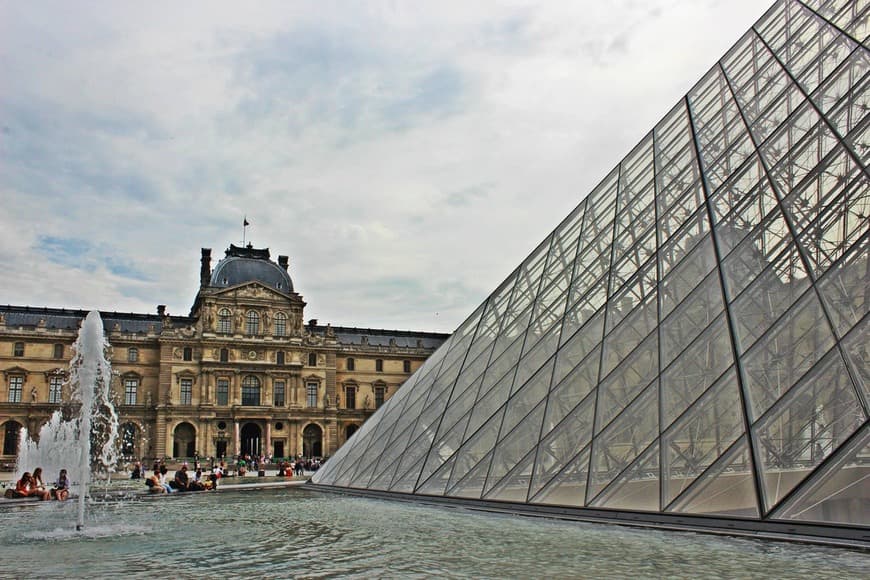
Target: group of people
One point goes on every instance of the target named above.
(182, 481)
(31, 485)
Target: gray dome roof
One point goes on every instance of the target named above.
(236, 269)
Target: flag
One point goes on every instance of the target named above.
(245, 224)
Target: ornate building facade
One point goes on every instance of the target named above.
(242, 373)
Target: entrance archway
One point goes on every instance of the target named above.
(184, 440)
(252, 439)
(11, 434)
(312, 441)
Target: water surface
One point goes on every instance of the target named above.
(296, 532)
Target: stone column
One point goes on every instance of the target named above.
(237, 440)
(268, 450)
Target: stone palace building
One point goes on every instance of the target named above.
(243, 373)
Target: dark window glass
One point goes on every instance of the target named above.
(351, 364)
(350, 397)
(225, 355)
(312, 359)
(251, 391)
(379, 396)
(279, 358)
(58, 351)
(379, 365)
(55, 384)
(225, 321)
(131, 387)
(18, 349)
(406, 366)
(132, 354)
(16, 385)
(188, 353)
(223, 393)
(186, 391)
(279, 393)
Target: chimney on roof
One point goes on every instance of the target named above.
(284, 262)
(161, 310)
(312, 323)
(205, 268)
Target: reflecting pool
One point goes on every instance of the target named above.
(298, 532)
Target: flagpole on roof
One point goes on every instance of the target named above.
(245, 225)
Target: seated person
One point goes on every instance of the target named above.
(181, 479)
(61, 487)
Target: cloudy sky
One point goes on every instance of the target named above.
(405, 155)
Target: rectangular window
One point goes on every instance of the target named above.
(406, 366)
(311, 394)
(132, 354)
(58, 351)
(223, 392)
(131, 391)
(350, 364)
(225, 355)
(188, 353)
(379, 365)
(55, 384)
(186, 391)
(379, 396)
(225, 322)
(279, 393)
(280, 324)
(16, 385)
(350, 397)
(279, 358)
(18, 349)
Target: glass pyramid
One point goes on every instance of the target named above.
(693, 338)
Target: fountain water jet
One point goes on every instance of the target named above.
(91, 435)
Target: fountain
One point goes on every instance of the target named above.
(90, 435)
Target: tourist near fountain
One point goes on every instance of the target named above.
(80, 438)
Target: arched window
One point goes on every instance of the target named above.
(225, 321)
(11, 435)
(132, 354)
(252, 323)
(251, 391)
(225, 355)
(351, 364)
(312, 359)
(280, 324)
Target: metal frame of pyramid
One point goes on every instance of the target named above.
(689, 347)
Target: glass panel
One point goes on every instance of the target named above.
(691, 318)
(637, 325)
(471, 485)
(809, 424)
(769, 296)
(436, 484)
(701, 435)
(575, 350)
(491, 402)
(515, 487)
(557, 448)
(788, 351)
(514, 446)
(680, 281)
(637, 488)
(623, 440)
(853, 101)
(569, 487)
(406, 483)
(727, 488)
(477, 446)
(855, 345)
(444, 448)
(845, 289)
(839, 493)
(527, 398)
(695, 370)
(577, 384)
(742, 204)
(623, 384)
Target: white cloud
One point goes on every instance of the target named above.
(406, 156)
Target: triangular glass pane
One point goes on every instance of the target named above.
(638, 486)
(624, 439)
(437, 483)
(557, 448)
(471, 486)
(726, 489)
(528, 397)
(839, 493)
(490, 403)
(806, 426)
(477, 446)
(445, 447)
(569, 487)
(623, 384)
(701, 435)
(515, 486)
(385, 478)
(406, 483)
(514, 445)
(576, 385)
